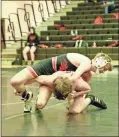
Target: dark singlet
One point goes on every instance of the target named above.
(51, 65)
(63, 64)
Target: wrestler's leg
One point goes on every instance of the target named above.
(20, 79)
(80, 103)
(84, 85)
(43, 96)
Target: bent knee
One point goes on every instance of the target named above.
(15, 81)
(32, 52)
(25, 52)
(74, 111)
(88, 89)
(41, 105)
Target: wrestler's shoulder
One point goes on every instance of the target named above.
(76, 55)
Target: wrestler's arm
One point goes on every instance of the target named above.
(48, 79)
(84, 67)
(80, 93)
(73, 95)
(86, 89)
(70, 98)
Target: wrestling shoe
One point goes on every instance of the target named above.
(97, 102)
(27, 105)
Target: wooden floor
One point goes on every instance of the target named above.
(53, 120)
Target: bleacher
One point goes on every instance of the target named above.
(82, 19)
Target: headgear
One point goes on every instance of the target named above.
(101, 60)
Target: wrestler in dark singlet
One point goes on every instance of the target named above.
(51, 65)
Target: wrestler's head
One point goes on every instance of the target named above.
(32, 30)
(102, 62)
(62, 87)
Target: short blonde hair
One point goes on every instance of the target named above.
(62, 85)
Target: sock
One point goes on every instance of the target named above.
(25, 95)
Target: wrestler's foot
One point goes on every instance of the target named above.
(27, 105)
(97, 102)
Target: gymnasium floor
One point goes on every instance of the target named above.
(53, 120)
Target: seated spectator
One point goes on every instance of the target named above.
(109, 6)
(31, 46)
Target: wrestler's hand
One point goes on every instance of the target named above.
(70, 97)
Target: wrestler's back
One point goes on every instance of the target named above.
(76, 58)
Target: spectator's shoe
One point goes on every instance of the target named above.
(97, 102)
(32, 62)
(26, 63)
(76, 32)
(27, 105)
(72, 33)
(94, 45)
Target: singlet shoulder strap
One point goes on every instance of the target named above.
(54, 63)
